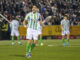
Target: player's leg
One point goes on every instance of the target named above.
(33, 45)
(18, 38)
(68, 36)
(63, 38)
(12, 37)
(40, 37)
(41, 41)
(28, 49)
(35, 37)
(28, 45)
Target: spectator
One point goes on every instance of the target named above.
(46, 7)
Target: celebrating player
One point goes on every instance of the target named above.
(65, 25)
(40, 28)
(14, 30)
(32, 19)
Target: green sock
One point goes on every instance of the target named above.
(32, 46)
(27, 48)
(68, 40)
(63, 41)
(18, 38)
(40, 39)
(30, 49)
(12, 38)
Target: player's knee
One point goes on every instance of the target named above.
(29, 41)
(35, 41)
(68, 36)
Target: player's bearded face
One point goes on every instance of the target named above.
(34, 9)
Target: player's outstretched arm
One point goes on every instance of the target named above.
(47, 19)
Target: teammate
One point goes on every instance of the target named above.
(65, 25)
(40, 33)
(32, 19)
(40, 28)
(14, 30)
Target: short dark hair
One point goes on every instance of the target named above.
(35, 5)
(65, 16)
(13, 17)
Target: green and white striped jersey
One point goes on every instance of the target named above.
(14, 25)
(33, 19)
(65, 24)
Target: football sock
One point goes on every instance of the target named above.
(63, 40)
(32, 46)
(12, 38)
(27, 48)
(68, 40)
(40, 39)
(18, 38)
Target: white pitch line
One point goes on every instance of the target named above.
(37, 44)
(60, 45)
(52, 45)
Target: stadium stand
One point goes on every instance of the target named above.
(55, 8)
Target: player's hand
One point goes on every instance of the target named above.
(43, 25)
(25, 26)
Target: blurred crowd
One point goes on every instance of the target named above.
(55, 8)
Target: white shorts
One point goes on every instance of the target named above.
(39, 29)
(32, 34)
(65, 32)
(14, 33)
(39, 32)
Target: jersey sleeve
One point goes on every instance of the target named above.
(18, 24)
(27, 17)
(40, 17)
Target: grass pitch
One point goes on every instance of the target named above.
(51, 50)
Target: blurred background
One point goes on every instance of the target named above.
(55, 8)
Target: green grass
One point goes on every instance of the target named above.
(51, 50)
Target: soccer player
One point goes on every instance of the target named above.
(32, 19)
(65, 25)
(40, 33)
(40, 28)
(14, 30)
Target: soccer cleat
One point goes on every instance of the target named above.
(12, 43)
(64, 44)
(67, 43)
(28, 55)
(41, 44)
(19, 43)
